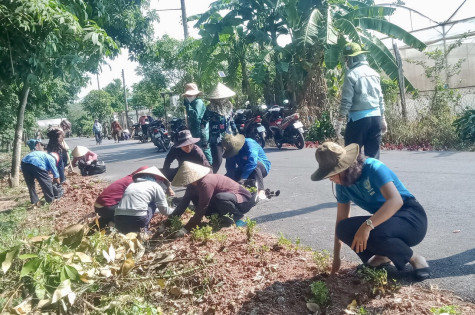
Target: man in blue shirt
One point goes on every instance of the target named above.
(246, 160)
(37, 165)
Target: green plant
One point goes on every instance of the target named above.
(378, 278)
(447, 309)
(320, 292)
(284, 242)
(361, 311)
(322, 129)
(175, 223)
(321, 259)
(465, 125)
(202, 234)
(251, 229)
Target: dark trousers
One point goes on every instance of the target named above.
(60, 167)
(226, 204)
(217, 154)
(127, 223)
(367, 133)
(98, 137)
(393, 238)
(256, 177)
(169, 173)
(30, 173)
(106, 215)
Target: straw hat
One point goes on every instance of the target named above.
(151, 171)
(333, 159)
(221, 91)
(191, 89)
(79, 151)
(185, 138)
(189, 173)
(232, 144)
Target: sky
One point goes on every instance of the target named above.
(170, 24)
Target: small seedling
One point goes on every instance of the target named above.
(214, 221)
(251, 229)
(202, 234)
(447, 309)
(321, 295)
(175, 223)
(321, 259)
(378, 279)
(362, 311)
(284, 242)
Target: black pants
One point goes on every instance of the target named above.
(30, 173)
(169, 173)
(367, 133)
(106, 215)
(217, 154)
(226, 204)
(127, 223)
(393, 238)
(98, 137)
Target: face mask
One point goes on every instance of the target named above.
(191, 98)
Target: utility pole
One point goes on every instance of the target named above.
(97, 78)
(125, 99)
(183, 19)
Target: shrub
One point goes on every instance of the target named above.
(465, 126)
(322, 129)
(321, 294)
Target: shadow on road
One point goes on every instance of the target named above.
(292, 213)
(461, 264)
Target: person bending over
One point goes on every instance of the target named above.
(140, 201)
(210, 193)
(397, 221)
(185, 149)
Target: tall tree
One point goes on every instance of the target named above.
(116, 91)
(98, 104)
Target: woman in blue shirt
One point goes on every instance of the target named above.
(397, 221)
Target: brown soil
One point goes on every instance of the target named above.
(253, 277)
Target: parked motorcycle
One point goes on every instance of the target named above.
(159, 135)
(176, 125)
(138, 133)
(285, 129)
(250, 126)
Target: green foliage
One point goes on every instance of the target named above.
(202, 234)
(390, 90)
(284, 242)
(447, 309)
(465, 126)
(320, 293)
(175, 223)
(321, 259)
(116, 91)
(378, 278)
(98, 104)
(322, 130)
(251, 229)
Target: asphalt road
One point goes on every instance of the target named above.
(443, 182)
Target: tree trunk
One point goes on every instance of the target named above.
(16, 157)
(314, 100)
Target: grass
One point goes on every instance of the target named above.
(447, 309)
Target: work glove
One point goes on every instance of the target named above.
(179, 234)
(384, 125)
(338, 126)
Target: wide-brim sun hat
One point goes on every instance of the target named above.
(185, 138)
(151, 171)
(221, 91)
(191, 89)
(353, 49)
(189, 173)
(333, 159)
(79, 151)
(32, 143)
(232, 144)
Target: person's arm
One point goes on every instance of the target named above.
(202, 156)
(91, 156)
(392, 205)
(251, 164)
(160, 200)
(184, 203)
(75, 162)
(51, 166)
(347, 93)
(204, 198)
(343, 212)
(171, 156)
(230, 166)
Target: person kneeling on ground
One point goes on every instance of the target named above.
(185, 149)
(397, 220)
(140, 200)
(86, 161)
(37, 165)
(210, 193)
(246, 160)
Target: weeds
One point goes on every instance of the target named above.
(320, 293)
(378, 278)
(251, 229)
(321, 259)
(202, 234)
(447, 309)
(175, 223)
(284, 242)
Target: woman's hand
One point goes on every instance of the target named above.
(336, 265)
(361, 238)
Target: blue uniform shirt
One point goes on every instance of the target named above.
(42, 160)
(247, 158)
(366, 191)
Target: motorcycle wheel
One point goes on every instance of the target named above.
(167, 145)
(260, 138)
(300, 141)
(160, 145)
(278, 144)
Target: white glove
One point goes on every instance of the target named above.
(338, 126)
(384, 125)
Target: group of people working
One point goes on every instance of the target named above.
(396, 222)
(116, 131)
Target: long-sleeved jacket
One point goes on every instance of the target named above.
(219, 125)
(361, 90)
(246, 160)
(97, 128)
(195, 156)
(195, 112)
(43, 161)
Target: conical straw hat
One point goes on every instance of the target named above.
(79, 151)
(152, 171)
(189, 173)
(221, 91)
